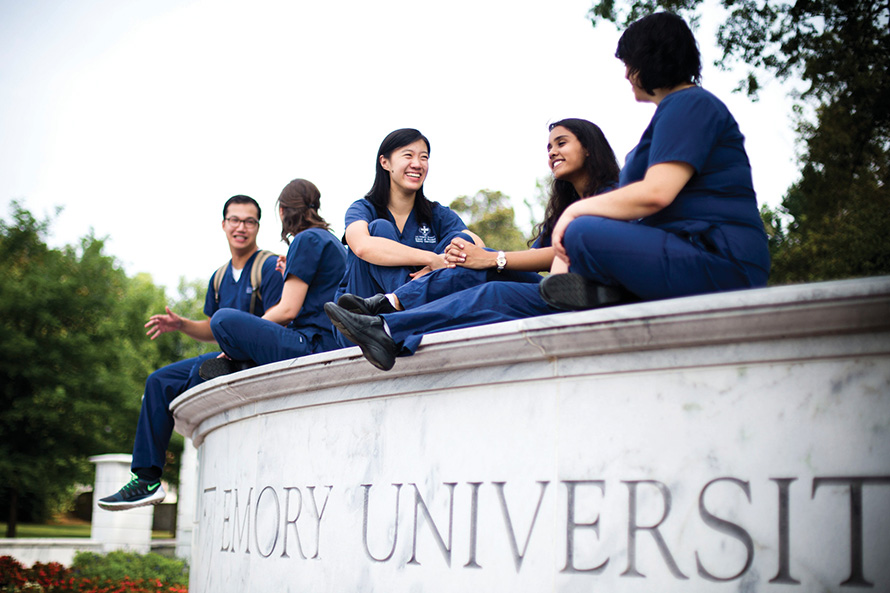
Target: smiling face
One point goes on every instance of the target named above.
(241, 227)
(566, 155)
(407, 166)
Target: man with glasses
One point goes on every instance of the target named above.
(241, 224)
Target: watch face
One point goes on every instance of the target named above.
(501, 260)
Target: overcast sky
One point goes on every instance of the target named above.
(140, 118)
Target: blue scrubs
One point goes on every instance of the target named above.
(366, 279)
(446, 281)
(491, 302)
(710, 238)
(317, 258)
(155, 425)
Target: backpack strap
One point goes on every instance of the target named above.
(217, 280)
(256, 277)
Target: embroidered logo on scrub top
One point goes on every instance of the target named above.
(425, 236)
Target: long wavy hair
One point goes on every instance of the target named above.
(379, 194)
(600, 166)
(300, 201)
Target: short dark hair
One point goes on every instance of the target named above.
(661, 50)
(239, 199)
(379, 194)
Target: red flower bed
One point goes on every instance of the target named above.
(55, 578)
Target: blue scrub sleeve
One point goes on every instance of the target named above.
(686, 130)
(305, 254)
(360, 210)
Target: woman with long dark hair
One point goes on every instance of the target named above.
(684, 220)
(583, 164)
(297, 325)
(395, 234)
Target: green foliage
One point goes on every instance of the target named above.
(121, 565)
(834, 222)
(491, 217)
(73, 358)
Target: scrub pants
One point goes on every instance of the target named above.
(445, 281)
(243, 336)
(653, 263)
(491, 302)
(155, 424)
(365, 279)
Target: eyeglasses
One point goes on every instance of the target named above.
(249, 223)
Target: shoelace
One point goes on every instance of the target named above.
(132, 484)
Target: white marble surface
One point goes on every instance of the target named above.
(669, 444)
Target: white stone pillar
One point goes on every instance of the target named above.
(187, 499)
(131, 529)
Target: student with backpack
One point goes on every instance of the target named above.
(297, 325)
(248, 282)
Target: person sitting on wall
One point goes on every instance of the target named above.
(232, 286)
(684, 220)
(297, 325)
(583, 164)
(395, 234)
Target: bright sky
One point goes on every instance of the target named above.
(142, 118)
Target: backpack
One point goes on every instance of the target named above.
(256, 278)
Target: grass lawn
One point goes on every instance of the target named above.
(51, 530)
(25, 530)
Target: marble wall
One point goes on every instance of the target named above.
(738, 441)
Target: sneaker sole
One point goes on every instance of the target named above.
(573, 292)
(152, 500)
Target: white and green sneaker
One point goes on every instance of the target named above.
(136, 493)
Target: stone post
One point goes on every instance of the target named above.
(131, 529)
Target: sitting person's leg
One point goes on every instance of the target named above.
(153, 432)
(445, 281)
(491, 302)
(649, 262)
(366, 279)
(246, 337)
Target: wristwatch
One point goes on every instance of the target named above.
(501, 260)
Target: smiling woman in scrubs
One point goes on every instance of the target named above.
(394, 233)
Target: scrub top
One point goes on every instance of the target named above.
(236, 295)
(316, 257)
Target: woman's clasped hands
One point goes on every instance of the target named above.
(467, 255)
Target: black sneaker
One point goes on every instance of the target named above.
(137, 493)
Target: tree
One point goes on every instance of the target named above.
(491, 217)
(72, 359)
(834, 221)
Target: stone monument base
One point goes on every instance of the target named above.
(738, 441)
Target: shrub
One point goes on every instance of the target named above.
(121, 565)
(92, 573)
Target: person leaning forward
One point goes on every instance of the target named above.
(230, 287)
